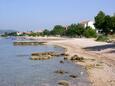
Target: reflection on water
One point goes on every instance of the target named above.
(16, 69)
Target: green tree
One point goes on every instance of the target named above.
(75, 30)
(80, 29)
(107, 25)
(89, 32)
(104, 23)
(71, 30)
(99, 21)
(46, 32)
(113, 23)
(58, 30)
(12, 34)
(34, 34)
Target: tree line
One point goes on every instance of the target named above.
(73, 30)
(104, 24)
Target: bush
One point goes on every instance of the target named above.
(58, 30)
(74, 30)
(90, 33)
(102, 38)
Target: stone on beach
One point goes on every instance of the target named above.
(77, 58)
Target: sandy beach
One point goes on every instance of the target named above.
(99, 58)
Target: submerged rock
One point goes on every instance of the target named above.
(46, 55)
(28, 43)
(63, 83)
(73, 76)
(60, 72)
(42, 53)
(62, 62)
(41, 57)
(65, 58)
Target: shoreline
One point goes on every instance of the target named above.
(99, 57)
(99, 67)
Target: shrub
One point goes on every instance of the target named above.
(90, 33)
(102, 38)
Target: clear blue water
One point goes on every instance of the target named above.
(16, 69)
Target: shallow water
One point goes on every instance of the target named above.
(16, 69)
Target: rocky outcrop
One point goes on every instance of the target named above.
(40, 57)
(46, 55)
(24, 43)
(43, 53)
(76, 58)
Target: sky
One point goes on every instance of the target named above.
(27, 15)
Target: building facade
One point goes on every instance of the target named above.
(88, 24)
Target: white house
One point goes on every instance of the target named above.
(88, 23)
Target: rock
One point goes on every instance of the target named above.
(62, 62)
(42, 53)
(60, 72)
(77, 58)
(58, 54)
(65, 58)
(74, 57)
(63, 83)
(24, 43)
(73, 76)
(45, 55)
(66, 54)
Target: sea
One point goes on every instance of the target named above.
(17, 69)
